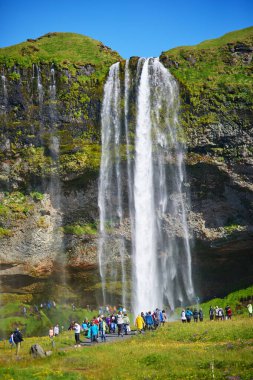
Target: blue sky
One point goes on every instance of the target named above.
(143, 28)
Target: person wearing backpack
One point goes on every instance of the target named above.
(17, 338)
(211, 313)
(195, 315)
(188, 315)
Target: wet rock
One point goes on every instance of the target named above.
(36, 351)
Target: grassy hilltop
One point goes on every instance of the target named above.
(62, 49)
(216, 80)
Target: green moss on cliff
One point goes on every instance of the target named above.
(68, 50)
(14, 207)
(216, 80)
(79, 230)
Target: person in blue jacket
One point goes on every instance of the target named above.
(149, 321)
(93, 332)
(188, 315)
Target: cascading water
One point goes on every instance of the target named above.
(5, 91)
(110, 194)
(52, 87)
(39, 86)
(142, 158)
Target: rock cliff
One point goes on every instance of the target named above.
(51, 90)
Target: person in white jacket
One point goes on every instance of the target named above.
(183, 316)
(120, 323)
(250, 309)
(77, 329)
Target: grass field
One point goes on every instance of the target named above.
(208, 350)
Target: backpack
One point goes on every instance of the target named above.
(17, 337)
(188, 313)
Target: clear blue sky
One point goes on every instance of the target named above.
(132, 27)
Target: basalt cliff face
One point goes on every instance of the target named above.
(51, 91)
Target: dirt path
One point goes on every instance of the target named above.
(110, 338)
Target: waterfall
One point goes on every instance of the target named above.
(145, 260)
(110, 193)
(39, 86)
(52, 87)
(142, 188)
(5, 91)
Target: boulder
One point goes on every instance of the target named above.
(37, 351)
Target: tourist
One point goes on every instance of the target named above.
(51, 332)
(216, 313)
(77, 329)
(51, 335)
(56, 330)
(149, 321)
(220, 314)
(155, 319)
(201, 316)
(157, 314)
(120, 323)
(164, 316)
(139, 323)
(112, 324)
(161, 321)
(144, 321)
(195, 315)
(17, 338)
(250, 309)
(183, 316)
(188, 315)
(71, 326)
(211, 313)
(228, 312)
(102, 329)
(93, 332)
(24, 311)
(126, 322)
(85, 326)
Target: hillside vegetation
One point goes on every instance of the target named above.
(216, 78)
(62, 49)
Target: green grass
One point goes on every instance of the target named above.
(236, 300)
(178, 351)
(244, 35)
(79, 230)
(213, 64)
(216, 84)
(12, 316)
(14, 207)
(63, 49)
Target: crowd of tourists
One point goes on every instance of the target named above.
(118, 323)
(215, 313)
(150, 320)
(101, 325)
